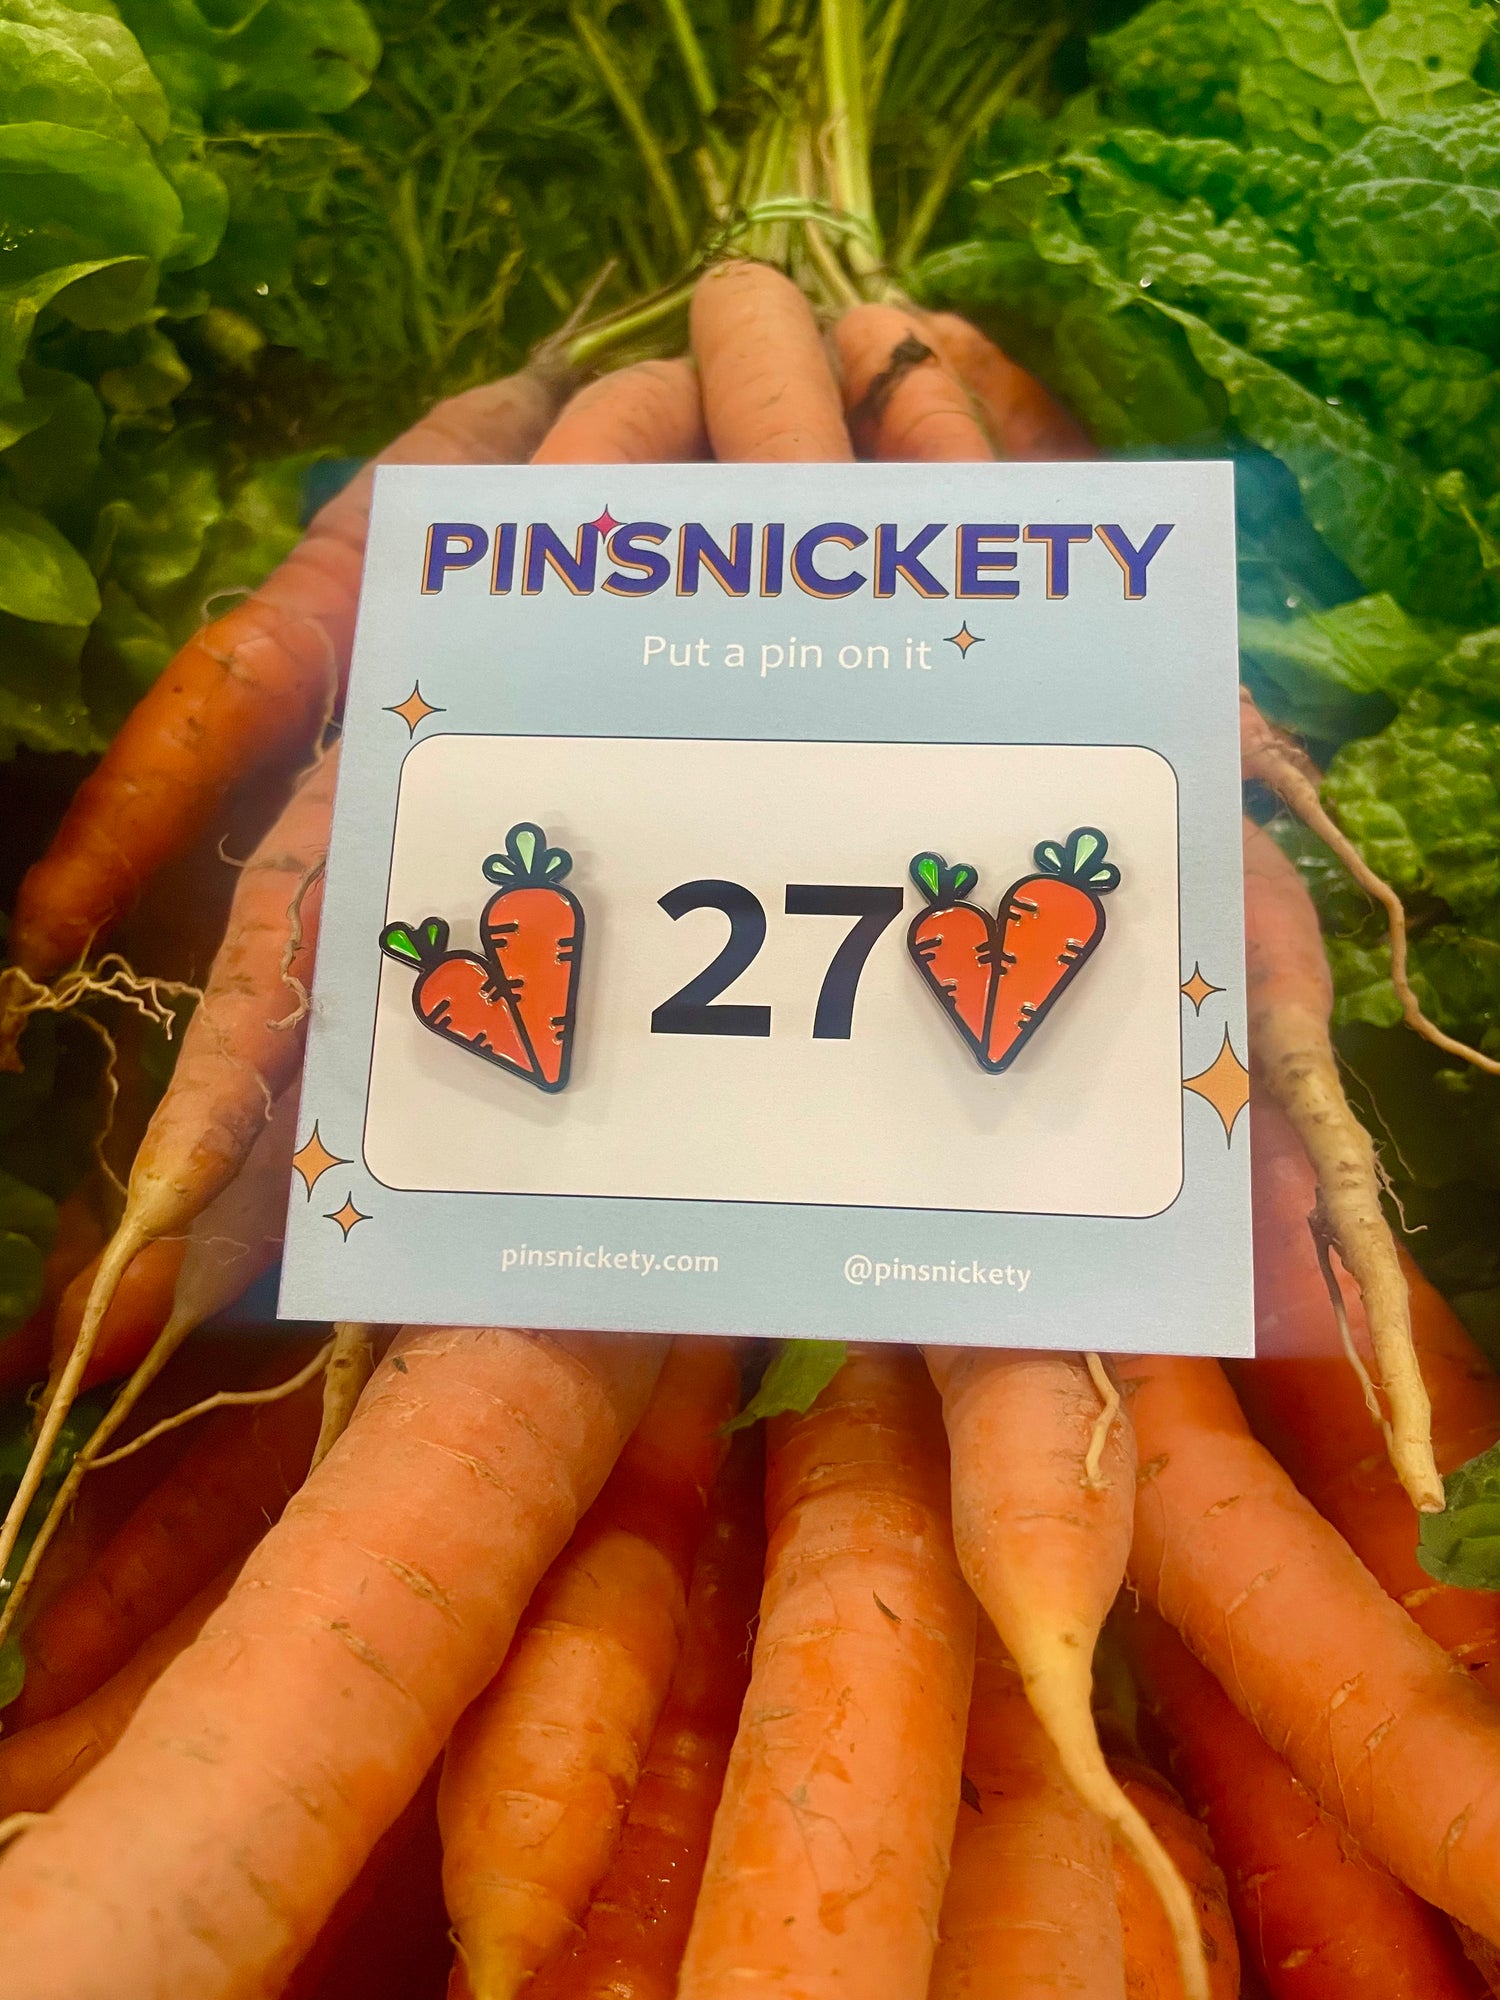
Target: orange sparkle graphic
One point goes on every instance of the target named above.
(347, 1216)
(314, 1159)
(1225, 1084)
(415, 709)
(963, 638)
(1197, 989)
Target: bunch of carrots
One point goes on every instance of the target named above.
(479, 1661)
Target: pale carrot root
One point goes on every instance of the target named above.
(350, 1367)
(1044, 1549)
(1269, 754)
(1030, 1908)
(1289, 996)
(202, 1856)
(1302, 1405)
(1151, 1966)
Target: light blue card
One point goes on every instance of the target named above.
(795, 900)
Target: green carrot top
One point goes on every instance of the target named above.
(528, 862)
(418, 945)
(1079, 859)
(941, 883)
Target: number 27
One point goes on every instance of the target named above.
(689, 1011)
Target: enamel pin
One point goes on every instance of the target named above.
(999, 977)
(515, 1001)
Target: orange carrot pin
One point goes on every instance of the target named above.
(997, 977)
(514, 1005)
(532, 931)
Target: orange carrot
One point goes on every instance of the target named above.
(830, 1846)
(1030, 1907)
(242, 1046)
(39, 1765)
(1024, 421)
(637, 1925)
(1152, 1971)
(541, 1768)
(1304, 1401)
(137, 1312)
(768, 391)
(210, 1509)
(252, 688)
(201, 1857)
(648, 414)
(1042, 1532)
(903, 401)
(1386, 1732)
(1289, 996)
(1317, 1920)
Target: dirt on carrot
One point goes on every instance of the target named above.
(646, 414)
(902, 399)
(769, 394)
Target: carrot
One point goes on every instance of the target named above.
(953, 944)
(1152, 1971)
(1052, 922)
(902, 399)
(1022, 419)
(1290, 996)
(461, 996)
(1317, 1920)
(210, 1509)
(768, 391)
(1041, 1518)
(533, 929)
(242, 1046)
(252, 688)
(1030, 1907)
(830, 1846)
(136, 1314)
(1386, 1732)
(647, 414)
(541, 1768)
(202, 1856)
(39, 1765)
(1304, 1402)
(230, 1243)
(637, 1925)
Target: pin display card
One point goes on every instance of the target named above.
(796, 900)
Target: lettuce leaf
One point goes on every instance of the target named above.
(1461, 1545)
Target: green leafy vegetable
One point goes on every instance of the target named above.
(1462, 1544)
(798, 1373)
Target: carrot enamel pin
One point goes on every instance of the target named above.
(515, 1001)
(998, 978)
